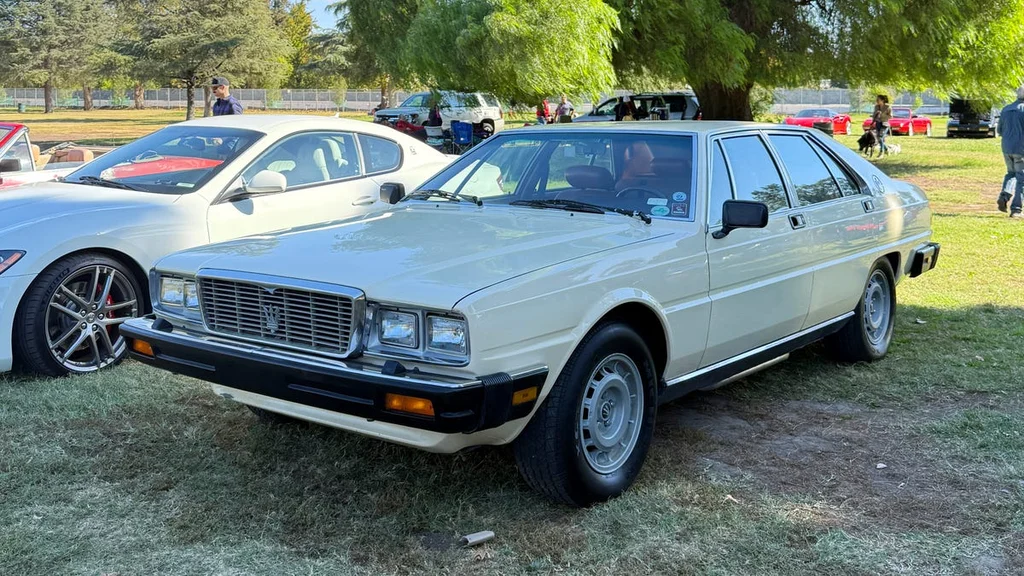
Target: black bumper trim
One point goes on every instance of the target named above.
(460, 406)
(924, 259)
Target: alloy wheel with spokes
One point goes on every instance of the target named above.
(68, 321)
(83, 316)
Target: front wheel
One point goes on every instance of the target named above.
(867, 335)
(68, 321)
(588, 441)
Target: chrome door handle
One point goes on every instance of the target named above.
(797, 221)
(364, 201)
(869, 205)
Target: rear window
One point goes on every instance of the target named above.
(379, 154)
(491, 100)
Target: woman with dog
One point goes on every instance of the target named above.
(881, 116)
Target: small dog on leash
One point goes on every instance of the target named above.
(868, 144)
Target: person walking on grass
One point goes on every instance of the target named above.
(1011, 129)
(881, 116)
(226, 104)
(565, 110)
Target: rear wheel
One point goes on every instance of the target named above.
(68, 321)
(588, 441)
(488, 127)
(867, 335)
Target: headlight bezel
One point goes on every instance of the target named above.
(189, 315)
(423, 351)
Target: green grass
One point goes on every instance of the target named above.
(135, 471)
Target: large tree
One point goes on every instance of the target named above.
(373, 36)
(188, 41)
(723, 48)
(520, 50)
(48, 42)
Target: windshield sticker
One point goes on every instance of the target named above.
(185, 184)
(680, 210)
(570, 151)
(679, 196)
(659, 211)
(657, 202)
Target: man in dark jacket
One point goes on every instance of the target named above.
(1011, 128)
(226, 103)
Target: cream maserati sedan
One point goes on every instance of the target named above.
(550, 289)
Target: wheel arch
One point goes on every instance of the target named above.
(138, 272)
(643, 315)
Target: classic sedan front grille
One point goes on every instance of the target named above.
(286, 316)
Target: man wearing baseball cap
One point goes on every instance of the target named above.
(226, 103)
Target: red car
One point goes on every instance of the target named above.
(18, 159)
(811, 116)
(905, 122)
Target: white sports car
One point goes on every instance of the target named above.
(74, 255)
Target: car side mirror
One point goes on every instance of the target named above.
(264, 182)
(392, 192)
(741, 214)
(10, 165)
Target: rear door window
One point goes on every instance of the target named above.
(811, 180)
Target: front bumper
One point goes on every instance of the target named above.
(924, 259)
(461, 405)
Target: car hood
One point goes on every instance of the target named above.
(426, 255)
(26, 206)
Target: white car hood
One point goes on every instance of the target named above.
(423, 255)
(24, 207)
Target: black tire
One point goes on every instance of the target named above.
(853, 343)
(549, 452)
(488, 127)
(30, 340)
(275, 418)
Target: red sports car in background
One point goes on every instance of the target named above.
(904, 121)
(21, 162)
(811, 116)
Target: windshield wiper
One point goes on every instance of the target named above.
(95, 180)
(577, 206)
(451, 196)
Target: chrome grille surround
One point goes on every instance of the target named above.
(316, 317)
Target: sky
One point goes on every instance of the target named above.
(321, 15)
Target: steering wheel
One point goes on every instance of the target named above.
(640, 192)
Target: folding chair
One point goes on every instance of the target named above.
(462, 136)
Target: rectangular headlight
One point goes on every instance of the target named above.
(446, 335)
(398, 329)
(172, 291)
(179, 292)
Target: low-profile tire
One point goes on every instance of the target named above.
(67, 322)
(867, 335)
(275, 418)
(588, 441)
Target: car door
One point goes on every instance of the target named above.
(760, 284)
(325, 181)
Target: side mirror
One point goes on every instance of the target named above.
(267, 182)
(392, 192)
(10, 165)
(741, 214)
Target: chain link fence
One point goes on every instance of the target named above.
(785, 101)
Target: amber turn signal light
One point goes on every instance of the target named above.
(410, 404)
(525, 395)
(142, 347)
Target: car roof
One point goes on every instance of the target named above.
(11, 125)
(658, 126)
(286, 123)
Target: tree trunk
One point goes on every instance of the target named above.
(190, 99)
(48, 97)
(87, 97)
(385, 88)
(207, 101)
(718, 102)
(140, 96)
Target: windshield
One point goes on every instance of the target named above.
(174, 160)
(900, 113)
(415, 101)
(814, 113)
(651, 174)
